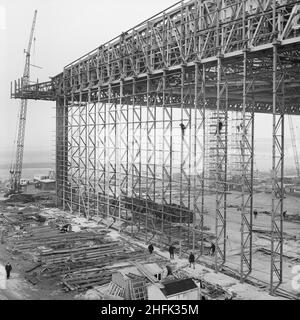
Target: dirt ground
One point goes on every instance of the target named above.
(18, 288)
(261, 262)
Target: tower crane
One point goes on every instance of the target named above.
(16, 168)
(296, 158)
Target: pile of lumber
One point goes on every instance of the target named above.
(23, 198)
(52, 239)
(215, 291)
(85, 279)
(78, 261)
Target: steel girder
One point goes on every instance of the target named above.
(185, 34)
(277, 173)
(116, 102)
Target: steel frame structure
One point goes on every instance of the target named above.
(136, 121)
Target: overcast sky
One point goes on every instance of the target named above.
(65, 30)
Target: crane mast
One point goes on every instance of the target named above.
(16, 169)
(296, 158)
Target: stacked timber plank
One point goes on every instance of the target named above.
(78, 261)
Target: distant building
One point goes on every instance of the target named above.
(47, 184)
(40, 177)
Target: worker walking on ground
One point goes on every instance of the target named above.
(219, 127)
(255, 214)
(8, 269)
(212, 249)
(171, 251)
(192, 260)
(169, 270)
(150, 248)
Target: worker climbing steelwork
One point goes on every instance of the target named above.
(183, 127)
(255, 213)
(284, 214)
(219, 127)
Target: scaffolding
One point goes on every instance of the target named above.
(155, 120)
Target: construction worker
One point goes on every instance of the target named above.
(219, 127)
(150, 248)
(284, 214)
(1, 236)
(66, 228)
(183, 127)
(192, 260)
(171, 251)
(255, 213)
(169, 270)
(8, 269)
(212, 249)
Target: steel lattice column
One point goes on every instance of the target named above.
(82, 176)
(74, 154)
(185, 153)
(61, 149)
(221, 167)
(136, 153)
(199, 149)
(124, 145)
(277, 172)
(91, 154)
(247, 174)
(112, 152)
(153, 86)
(167, 151)
(102, 154)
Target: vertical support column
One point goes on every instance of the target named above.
(221, 168)
(118, 143)
(109, 146)
(124, 147)
(182, 153)
(102, 152)
(247, 179)
(72, 150)
(86, 198)
(167, 158)
(91, 152)
(187, 102)
(61, 149)
(277, 172)
(112, 184)
(199, 148)
(151, 215)
(83, 164)
(136, 157)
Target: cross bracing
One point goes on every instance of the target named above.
(137, 120)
